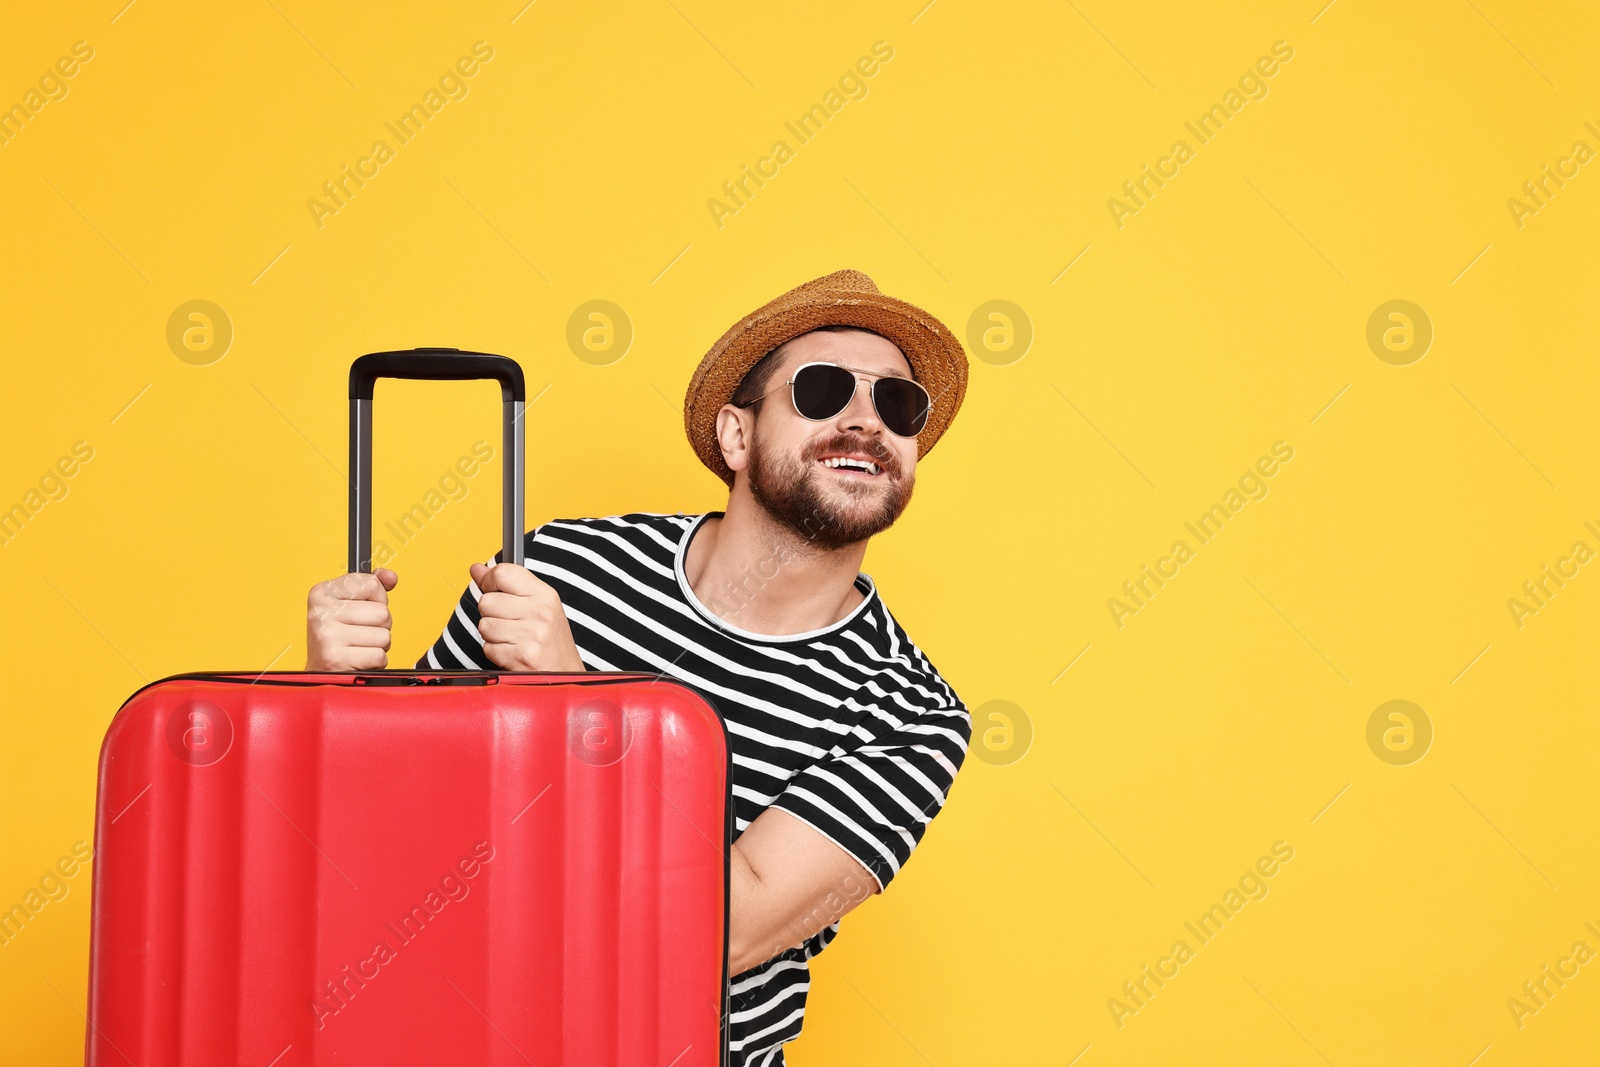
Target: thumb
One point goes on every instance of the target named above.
(387, 577)
(478, 570)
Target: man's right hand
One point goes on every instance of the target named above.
(348, 622)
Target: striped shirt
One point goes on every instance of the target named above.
(849, 728)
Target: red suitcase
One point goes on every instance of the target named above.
(412, 867)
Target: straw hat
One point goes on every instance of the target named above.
(847, 298)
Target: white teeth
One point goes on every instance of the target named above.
(851, 464)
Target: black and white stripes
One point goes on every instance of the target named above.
(848, 728)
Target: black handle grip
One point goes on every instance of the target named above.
(435, 364)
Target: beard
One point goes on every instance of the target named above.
(794, 490)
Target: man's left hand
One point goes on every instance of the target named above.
(523, 625)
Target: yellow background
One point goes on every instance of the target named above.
(1224, 316)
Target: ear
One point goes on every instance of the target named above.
(735, 432)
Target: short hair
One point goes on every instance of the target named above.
(754, 384)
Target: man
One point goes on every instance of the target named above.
(846, 740)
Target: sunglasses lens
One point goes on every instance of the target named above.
(902, 405)
(821, 391)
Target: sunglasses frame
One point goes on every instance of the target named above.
(871, 393)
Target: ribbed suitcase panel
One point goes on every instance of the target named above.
(526, 953)
(273, 868)
(523, 872)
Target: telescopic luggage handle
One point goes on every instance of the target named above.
(434, 364)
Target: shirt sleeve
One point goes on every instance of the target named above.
(877, 800)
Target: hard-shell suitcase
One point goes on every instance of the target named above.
(412, 867)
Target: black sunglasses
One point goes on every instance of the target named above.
(822, 390)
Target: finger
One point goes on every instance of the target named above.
(503, 606)
(365, 659)
(360, 613)
(359, 636)
(510, 578)
(388, 577)
(500, 654)
(357, 585)
(505, 631)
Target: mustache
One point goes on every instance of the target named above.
(880, 452)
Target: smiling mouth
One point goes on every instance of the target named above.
(846, 467)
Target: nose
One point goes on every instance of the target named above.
(860, 414)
